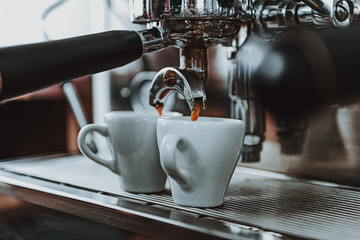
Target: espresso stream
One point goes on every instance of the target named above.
(159, 108)
(198, 106)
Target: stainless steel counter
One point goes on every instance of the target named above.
(258, 205)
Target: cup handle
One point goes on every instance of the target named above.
(169, 146)
(87, 152)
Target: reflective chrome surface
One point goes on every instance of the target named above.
(152, 39)
(323, 146)
(324, 7)
(256, 200)
(244, 104)
(212, 21)
(340, 12)
(184, 81)
(155, 10)
(83, 195)
(196, 25)
(200, 24)
(186, 32)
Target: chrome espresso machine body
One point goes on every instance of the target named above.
(302, 118)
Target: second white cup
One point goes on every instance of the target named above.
(135, 155)
(199, 157)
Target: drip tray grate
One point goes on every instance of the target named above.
(256, 198)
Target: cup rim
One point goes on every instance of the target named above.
(129, 113)
(213, 120)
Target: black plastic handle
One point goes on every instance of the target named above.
(31, 67)
(305, 71)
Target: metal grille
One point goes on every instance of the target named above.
(272, 202)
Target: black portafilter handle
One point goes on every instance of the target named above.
(31, 67)
(305, 71)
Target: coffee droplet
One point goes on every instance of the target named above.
(159, 108)
(198, 106)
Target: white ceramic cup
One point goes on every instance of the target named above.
(199, 157)
(135, 155)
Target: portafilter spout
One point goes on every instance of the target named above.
(188, 80)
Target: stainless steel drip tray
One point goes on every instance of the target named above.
(269, 201)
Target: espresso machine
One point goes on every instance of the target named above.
(291, 71)
(277, 64)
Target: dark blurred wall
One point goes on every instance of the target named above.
(41, 123)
